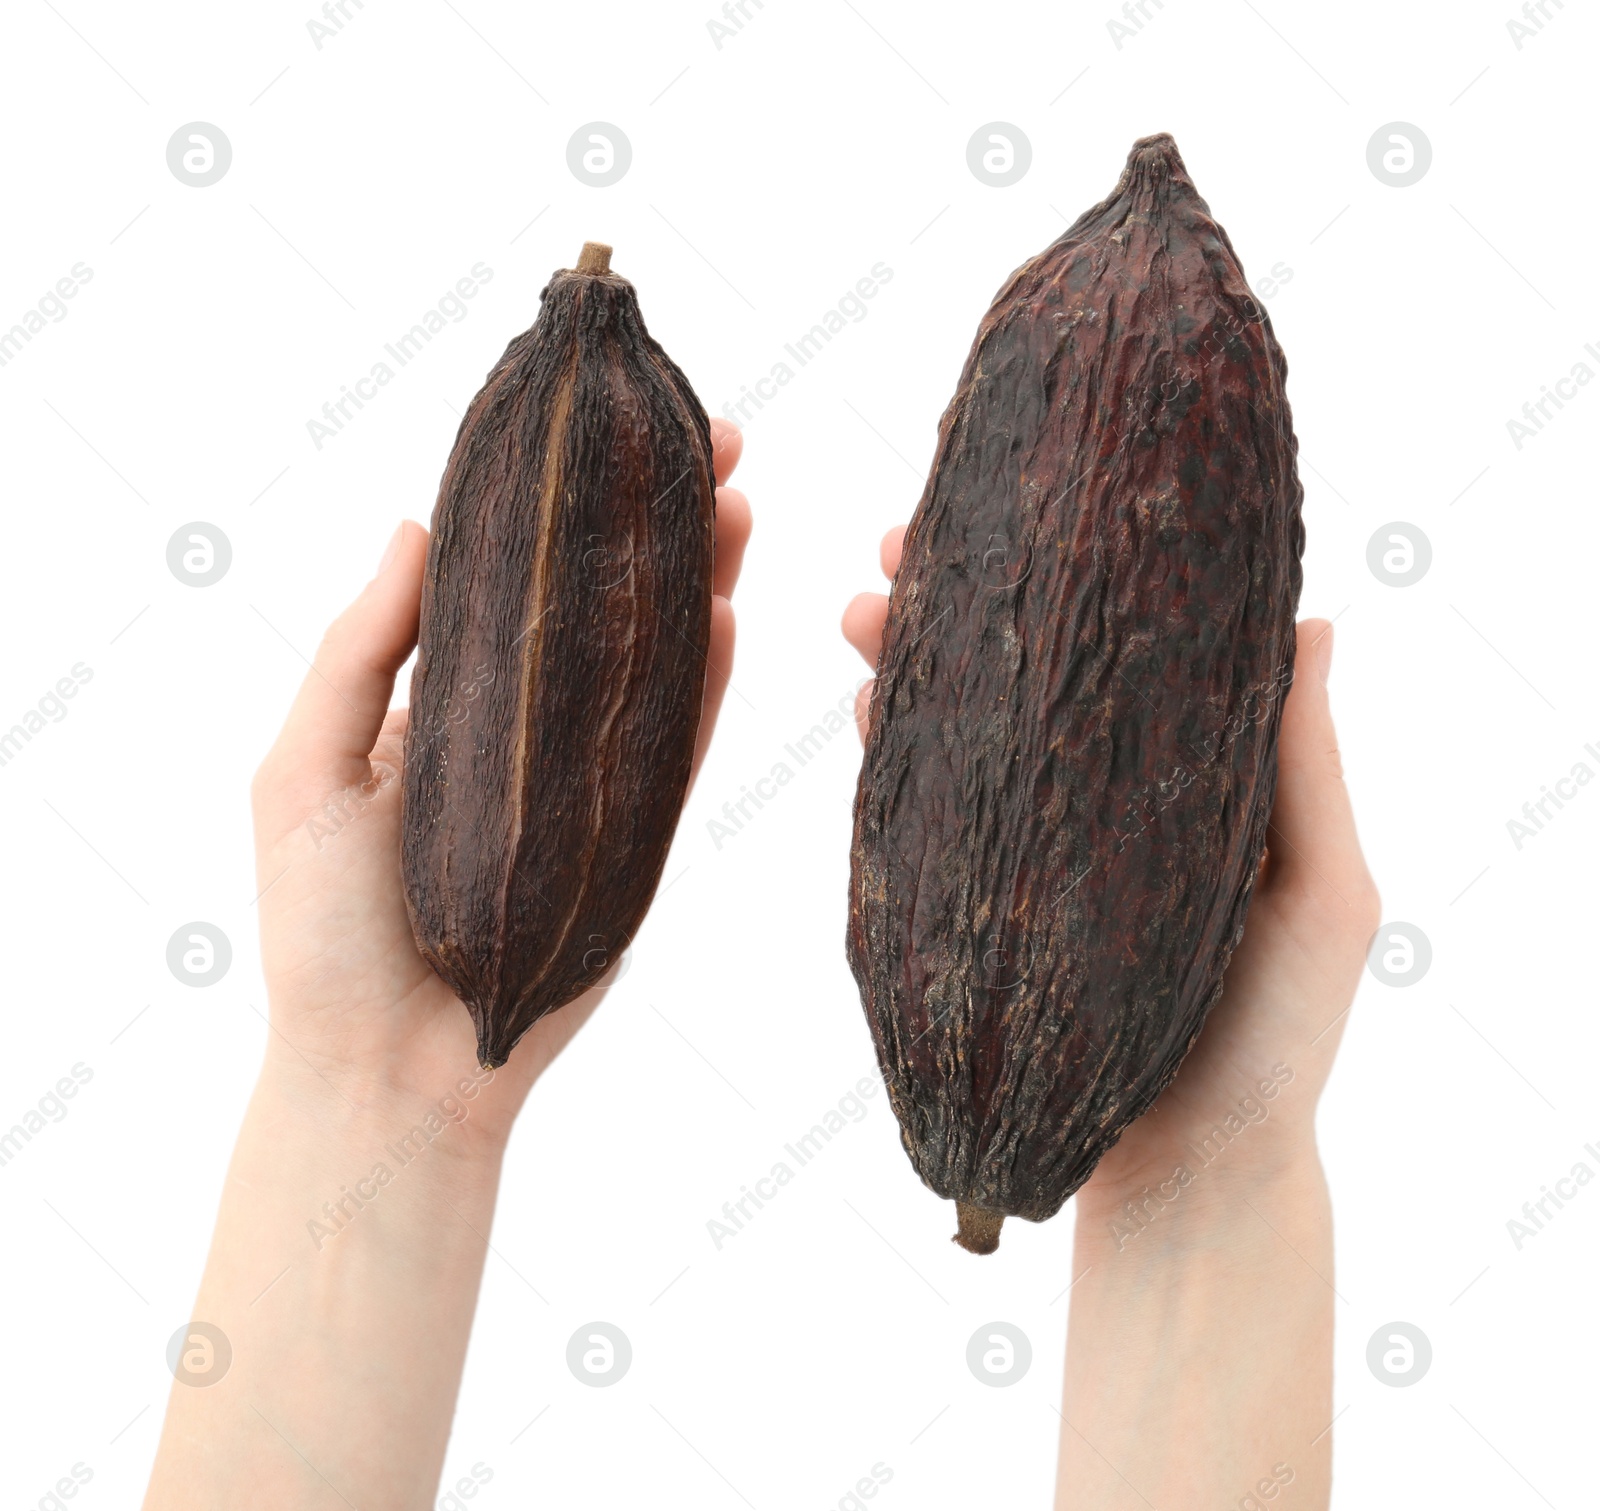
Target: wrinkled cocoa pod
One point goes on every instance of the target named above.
(566, 615)
(1072, 749)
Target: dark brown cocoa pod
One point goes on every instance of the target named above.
(1072, 749)
(566, 615)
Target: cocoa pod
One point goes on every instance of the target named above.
(1072, 749)
(566, 615)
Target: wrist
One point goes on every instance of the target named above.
(335, 1110)
(1199, 1340)
(1189, 1204)
(345, 1266)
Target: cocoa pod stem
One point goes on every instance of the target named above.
(977, 1228)
(594, 258)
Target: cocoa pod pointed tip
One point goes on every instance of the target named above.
(594, 258)
(1157, 143)
(977, 1228)
(1156, 156)
(492, 1056)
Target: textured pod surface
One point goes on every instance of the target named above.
(555, 702)
(1073, 746)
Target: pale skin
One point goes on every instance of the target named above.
(1199, 1365)
(347, 1355)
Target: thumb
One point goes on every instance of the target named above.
(334, 723)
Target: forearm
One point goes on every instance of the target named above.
(1200, 1348)
(344, 1272)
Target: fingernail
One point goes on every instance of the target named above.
(1325, 654)
(392, 549)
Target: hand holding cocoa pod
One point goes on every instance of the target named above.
(1071, 755)
(347, 982)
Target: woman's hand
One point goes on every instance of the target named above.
(350, 1242)
(1290, 982)
(1199, 1357)
(350, 995)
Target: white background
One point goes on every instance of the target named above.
(768, 175)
